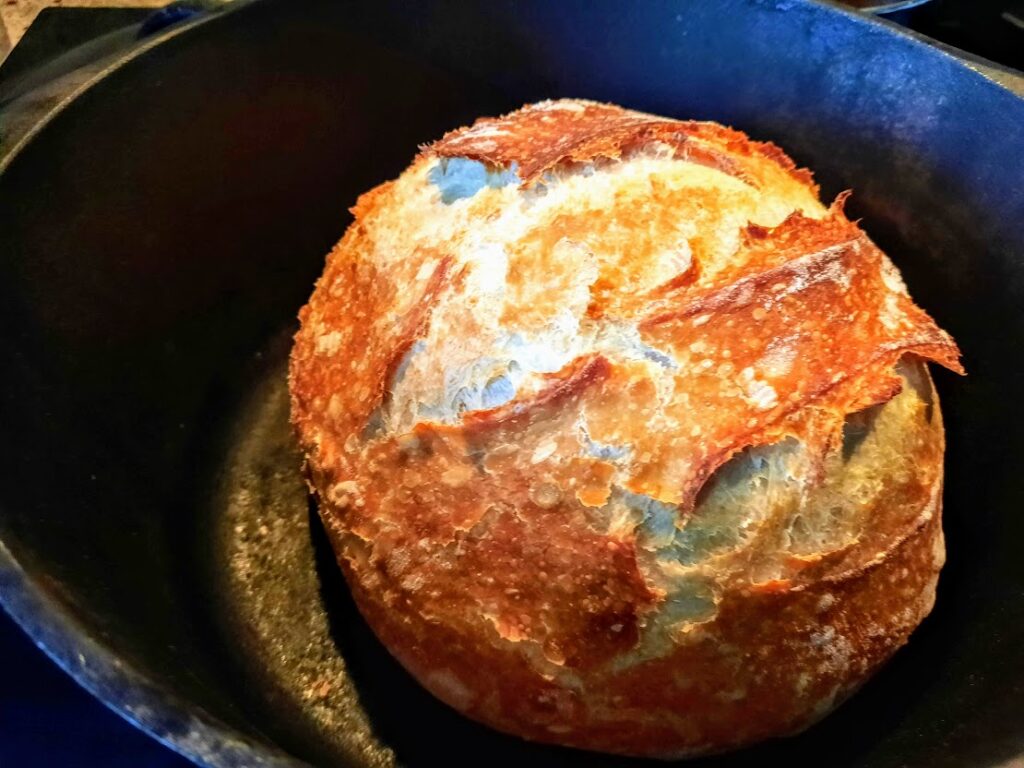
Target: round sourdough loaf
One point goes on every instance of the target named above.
(623, 440)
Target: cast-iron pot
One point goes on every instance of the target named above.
(159, 231)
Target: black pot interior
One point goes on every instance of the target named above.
(158, 237)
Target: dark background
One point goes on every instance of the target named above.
(45, 718)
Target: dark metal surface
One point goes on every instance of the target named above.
(47, 719)
(158, 233)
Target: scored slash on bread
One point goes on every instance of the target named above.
(622, 438)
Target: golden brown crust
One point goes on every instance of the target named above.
(773, 662)
(541, 136)
(510, 555)
(845, 328)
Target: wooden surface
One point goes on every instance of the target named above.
(17, 15)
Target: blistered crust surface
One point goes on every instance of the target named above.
(599, 406)
(540, 137)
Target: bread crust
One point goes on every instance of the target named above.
(795, 651)
(542, 136)
(481, 548)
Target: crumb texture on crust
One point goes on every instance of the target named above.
(602, 408)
